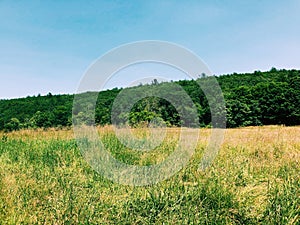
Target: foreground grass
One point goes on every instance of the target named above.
(254, 180)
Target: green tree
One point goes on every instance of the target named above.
(13, 124)
(42, 119)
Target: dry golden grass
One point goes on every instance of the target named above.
(44, 179)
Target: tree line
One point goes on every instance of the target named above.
(252, 99)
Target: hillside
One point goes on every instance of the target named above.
(259, 98)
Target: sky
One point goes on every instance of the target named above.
(47, 46)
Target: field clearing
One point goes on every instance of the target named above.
(255, 179)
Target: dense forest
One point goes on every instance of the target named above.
(252, 99)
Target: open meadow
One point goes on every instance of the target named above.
(255, 179)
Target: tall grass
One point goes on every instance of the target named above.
(254, 180)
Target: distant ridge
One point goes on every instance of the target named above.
(258, 98)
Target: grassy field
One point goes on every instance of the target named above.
(255, 179)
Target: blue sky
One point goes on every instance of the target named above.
(46, 46)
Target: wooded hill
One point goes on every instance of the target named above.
(259, 98)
